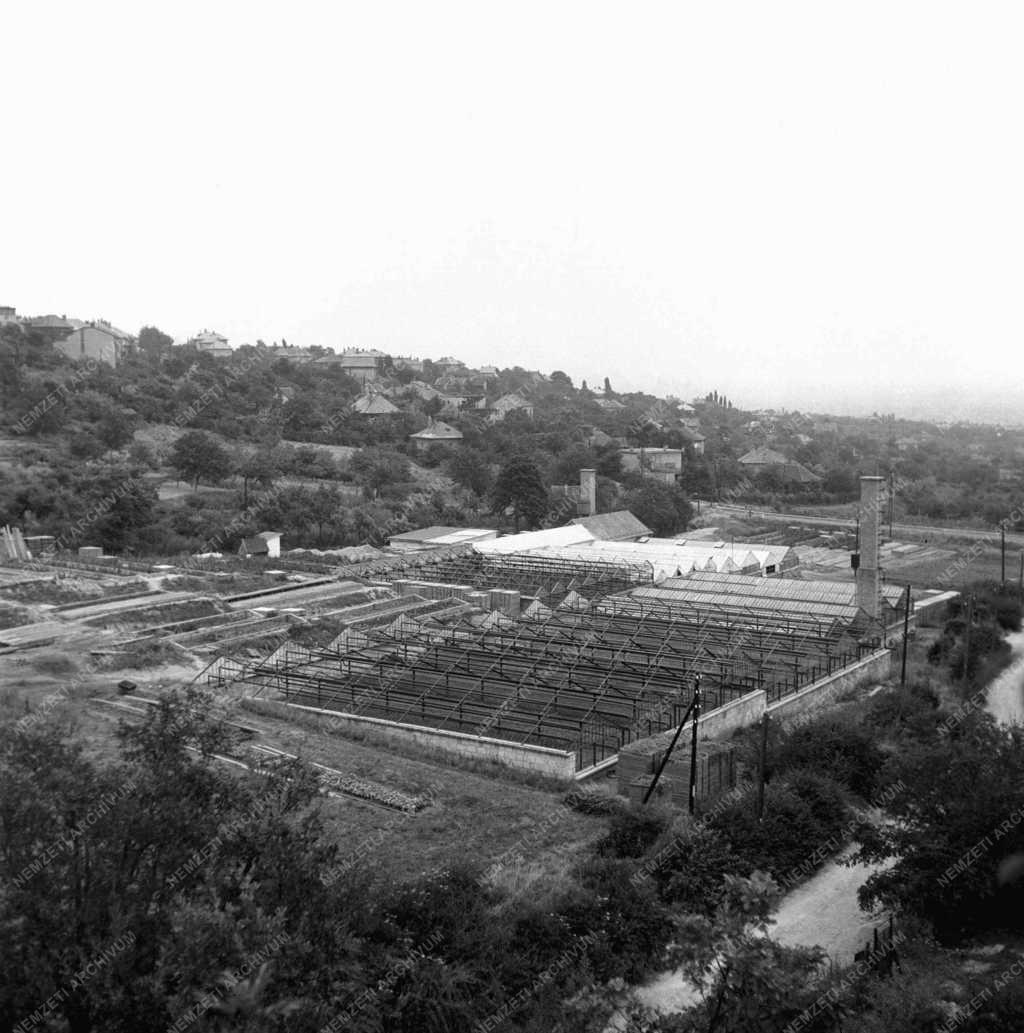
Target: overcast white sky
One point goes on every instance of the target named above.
(809, 205)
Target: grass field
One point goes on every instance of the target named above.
(472, 815)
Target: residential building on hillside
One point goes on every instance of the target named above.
(447, 364)
(98, 341)
(513, 402)
(7, 314)
(609, 404)
(212, 343)
(436, 433)
(291, 352)
(374, 405)
(52, 328)
(407, 362)
(694, 439)
(364, 366)
(758, 460)
(661, 464)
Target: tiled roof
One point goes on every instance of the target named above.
(438, 431)
(614, 526)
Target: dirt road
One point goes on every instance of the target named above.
(1006, 693)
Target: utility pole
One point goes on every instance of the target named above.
(1020, 582)
(967, 635)
(693, 746)
(671, 747)
(906, 635)
(762, 766)
(1002, 553)
(892, 501)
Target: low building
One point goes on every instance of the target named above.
(661, 464)
(212, 343)
(620, 526)
(266, 543)
(447, 364)
(52, 328)
(436, 433)
(513, 402)
(100, 342)
(694, 439)
(759, 460)
(610, 404)
(364, 366)
(7, 314)
(374, 405)
(437, 537)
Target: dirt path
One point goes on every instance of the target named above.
(1006, 694)
(823, 912)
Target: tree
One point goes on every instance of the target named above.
(374, 468)
(196, 456)
(520, 486)
(607, 386)
(957, 838)
(324, 507)
(663, 508)
(746, 980)
(121, 894)
(154, 342)
(255, 467)
(470, 468)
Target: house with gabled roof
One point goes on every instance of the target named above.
(757, 460)
(436, 433)
(372, 404)
(266, 543)
(97, 341)
(512, 402)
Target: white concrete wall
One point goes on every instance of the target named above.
(560, 764)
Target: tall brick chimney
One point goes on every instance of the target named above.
(867, 572)
(588, 489)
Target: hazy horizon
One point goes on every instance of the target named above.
(798, 206)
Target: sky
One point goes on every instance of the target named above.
(801, 205)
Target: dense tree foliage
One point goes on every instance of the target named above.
(519, 486)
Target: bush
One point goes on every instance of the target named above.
(595, 800)
(633, 831)
(832, 746)
(803, 813)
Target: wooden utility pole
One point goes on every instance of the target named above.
(1020, 583)
(1002, 553)
(693, 747)
(672, 746)
(762, 766)
(892, 501)
(906, 636)
(967, 635)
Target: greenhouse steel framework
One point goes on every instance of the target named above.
(588, 682)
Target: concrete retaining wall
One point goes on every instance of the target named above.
(638, 758)
(874, 668)
(560, 764)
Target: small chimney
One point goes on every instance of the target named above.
(867, 570)
(588, 491)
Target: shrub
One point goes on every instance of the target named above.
(803, 813)
(633, 831)
(832, 746)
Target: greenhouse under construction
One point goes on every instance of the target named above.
(584, 678)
